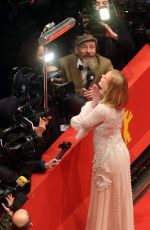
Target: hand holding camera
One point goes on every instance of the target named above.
(10, 199)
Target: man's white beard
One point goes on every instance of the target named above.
(90, 62)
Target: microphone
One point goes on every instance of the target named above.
(21, 181)
(56, 31)
(90, 78)
(65, 147)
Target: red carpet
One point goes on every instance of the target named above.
(142, 213)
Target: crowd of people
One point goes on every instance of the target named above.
(93, 68)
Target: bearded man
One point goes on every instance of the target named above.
(84, 62)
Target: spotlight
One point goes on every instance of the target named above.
(49, 57)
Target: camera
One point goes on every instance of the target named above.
(5, 192)
(28, 87)
(89, 22)
(20, 198)
(64, 90)
(26, 84)
(29, 114)
(55, 74)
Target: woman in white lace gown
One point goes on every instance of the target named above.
(111, 206)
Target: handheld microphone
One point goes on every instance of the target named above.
(65, 147)
(90, 78)
(56, 31)
(21, 181)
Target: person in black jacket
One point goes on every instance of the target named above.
(114, 39)
(21, 149)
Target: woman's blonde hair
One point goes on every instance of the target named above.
(116, 94)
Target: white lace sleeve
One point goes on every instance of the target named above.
(77, 120)
(94, 118)
(87, 119)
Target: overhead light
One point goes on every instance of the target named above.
(104, 13)
(56, 31)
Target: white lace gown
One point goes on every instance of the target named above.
(111, 205)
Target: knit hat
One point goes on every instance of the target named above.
(85, 37)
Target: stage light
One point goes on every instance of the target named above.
(56, 31)
(49, 57)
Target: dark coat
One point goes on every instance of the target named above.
(119, 51)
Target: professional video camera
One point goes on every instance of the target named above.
(27, 84)
(29, 114)
(28, 87)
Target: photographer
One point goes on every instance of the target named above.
(18, 220)
(114, 39)
(21, 149)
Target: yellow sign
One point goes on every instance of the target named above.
(128, 115)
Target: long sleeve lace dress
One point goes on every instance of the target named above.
(111, 205)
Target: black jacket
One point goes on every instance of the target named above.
(118, 51)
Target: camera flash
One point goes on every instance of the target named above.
(104, 13)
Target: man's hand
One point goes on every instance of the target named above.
(109, 32)
(46, 120)
(10, 200)
(52, 163)
(42, 126)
